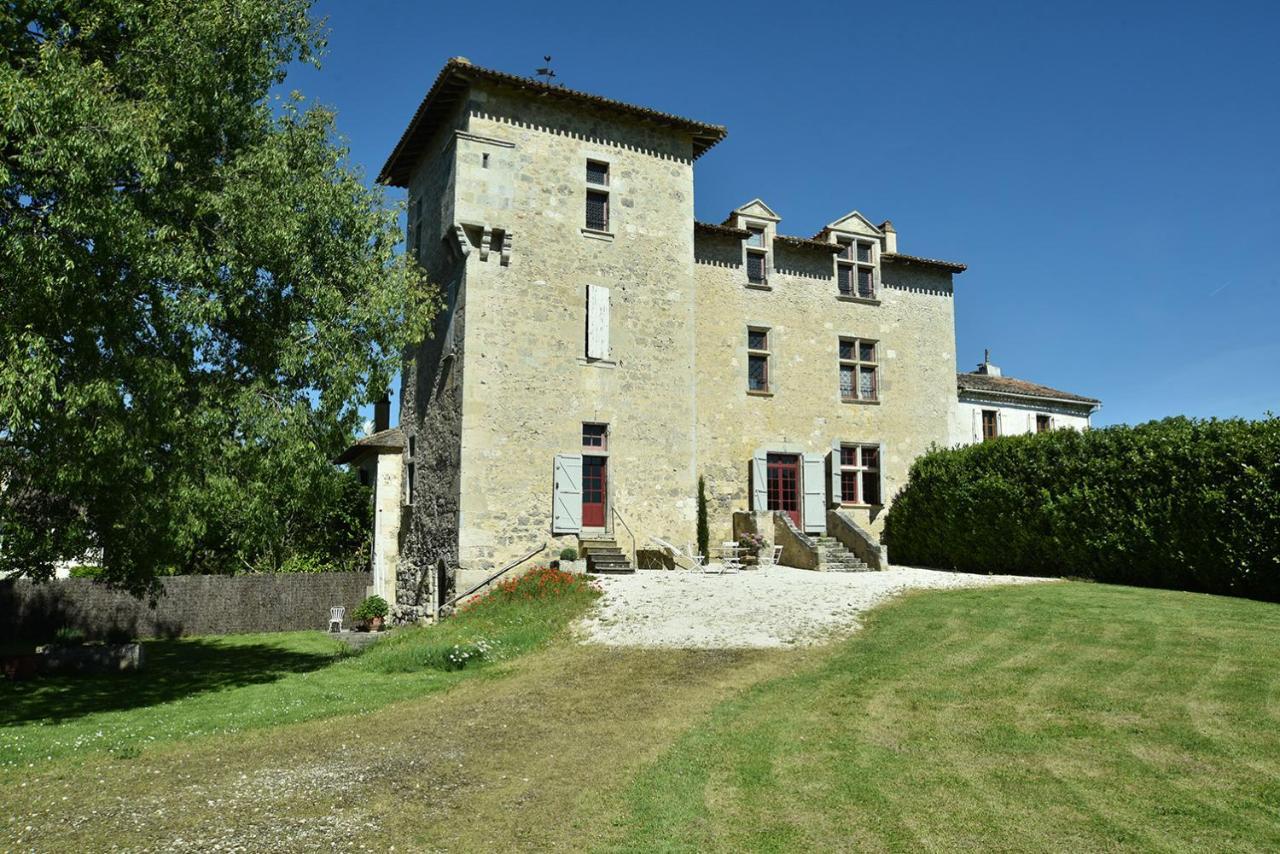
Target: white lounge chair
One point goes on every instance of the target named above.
(694, 560)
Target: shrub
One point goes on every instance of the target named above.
(87, 570)
(1178, 503)
(69, 636)
(569, 553)
(372, 606)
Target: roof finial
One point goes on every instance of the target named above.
(546, 70)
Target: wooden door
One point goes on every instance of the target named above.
(784, 485)
(595, 489)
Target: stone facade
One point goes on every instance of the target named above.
(555, 321)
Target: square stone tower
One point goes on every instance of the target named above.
(559, 226)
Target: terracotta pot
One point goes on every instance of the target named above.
(375, 624)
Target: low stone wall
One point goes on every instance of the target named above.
(189, 605)
(857, 540)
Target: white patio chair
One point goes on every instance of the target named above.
(730, 558)
(770, 558)
(336, 613)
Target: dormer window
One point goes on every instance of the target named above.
(857, 273)
(757, 256)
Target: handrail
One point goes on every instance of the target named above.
(493, 577)
(618, 516)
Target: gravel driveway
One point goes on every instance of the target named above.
(774, 607)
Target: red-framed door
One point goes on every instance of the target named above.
(784, 484)
(595, 489)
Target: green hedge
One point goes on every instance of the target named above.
(1179, 503)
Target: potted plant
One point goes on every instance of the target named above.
(752, 543)
(372, 613)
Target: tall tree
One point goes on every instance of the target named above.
(197, 289)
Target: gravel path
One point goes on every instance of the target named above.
(774, 607)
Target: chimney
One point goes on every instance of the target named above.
(986, 367)
(890, 237)
(382, 414)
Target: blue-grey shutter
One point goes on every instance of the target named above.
(814, 488)
(566, 502)
(760, 481)
(884, 461)
(836, 491)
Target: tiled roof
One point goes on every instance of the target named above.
(721, 230)
(455, 78)
(806, 243)
(1017, 388)
(389, 440)
(953, 266)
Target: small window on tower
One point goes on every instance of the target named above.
(595, 436)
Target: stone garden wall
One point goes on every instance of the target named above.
(189, 605)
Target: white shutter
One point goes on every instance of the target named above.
(973, 424)
(999, 422)
(836, 491)
(566, 500)
(884, 462)
(815, 489)
(760, 482)
(597, 322)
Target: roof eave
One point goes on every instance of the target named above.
(458, 75)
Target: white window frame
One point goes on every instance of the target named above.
(857, 364)
(767, 353)
(860, 469)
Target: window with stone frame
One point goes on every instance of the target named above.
(758, 355)
(859, 369)
(1044, 423)
(757, 255)
(860, 474)
(857, 268)
(597, 210)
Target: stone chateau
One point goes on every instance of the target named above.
(601, 350)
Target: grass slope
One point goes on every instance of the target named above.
(219, 685)
(1064, 717)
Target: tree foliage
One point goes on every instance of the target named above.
(197, 289)
(1178, 503)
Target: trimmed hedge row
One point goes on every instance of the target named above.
(1178, 503)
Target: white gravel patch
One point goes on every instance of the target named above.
(759, 608)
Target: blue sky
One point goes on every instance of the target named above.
(1110, 172)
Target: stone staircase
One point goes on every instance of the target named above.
(603, 556)
(834, 557)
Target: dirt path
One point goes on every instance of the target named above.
(521, 759)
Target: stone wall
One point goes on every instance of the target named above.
(189, 605)
(529, 387)
(912, 321)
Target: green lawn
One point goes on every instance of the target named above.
(197, 687)
(1051, 717)
(1055, 717)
